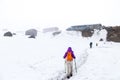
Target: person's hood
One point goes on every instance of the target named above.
(69, 49)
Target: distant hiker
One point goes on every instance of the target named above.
(96, 44)
(91, 44)
(69, 56)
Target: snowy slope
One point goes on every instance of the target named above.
(22, 58)
(103, 63)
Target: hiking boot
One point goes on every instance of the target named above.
(70, 74)
(68, 77)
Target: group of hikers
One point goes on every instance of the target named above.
(69, 57)
(91, 44)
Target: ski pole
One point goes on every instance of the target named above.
(75, 65)
(65, 66)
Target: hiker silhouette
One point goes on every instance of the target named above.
(91, 44)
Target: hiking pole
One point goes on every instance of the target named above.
(65, 66)
(75, 65)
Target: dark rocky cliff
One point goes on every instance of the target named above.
(113, 33)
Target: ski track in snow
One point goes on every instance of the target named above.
(61, 75)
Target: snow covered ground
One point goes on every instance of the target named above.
(22, 58)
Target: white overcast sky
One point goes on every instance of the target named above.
(60, 13)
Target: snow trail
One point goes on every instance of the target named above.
(81, 59)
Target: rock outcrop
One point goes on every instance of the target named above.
(113, 33)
